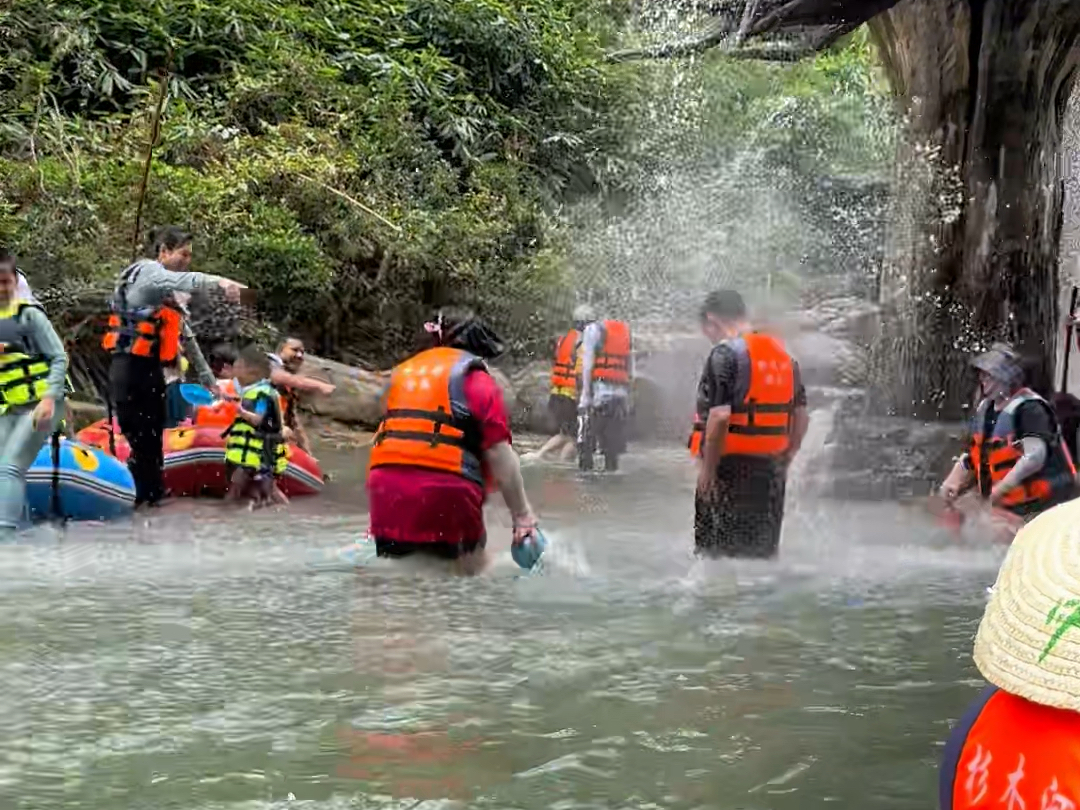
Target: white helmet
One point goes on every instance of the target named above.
(583, 313)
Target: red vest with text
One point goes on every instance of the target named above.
(1008, 753)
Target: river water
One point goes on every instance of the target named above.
(203, 661)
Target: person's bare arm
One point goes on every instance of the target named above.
(800, 423)
(959, 479)
(712, 443)
(279, 376)
(252, 418)
(506, 469)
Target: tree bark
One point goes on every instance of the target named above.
(973, 250)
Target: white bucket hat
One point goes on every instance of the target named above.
(1029, 640)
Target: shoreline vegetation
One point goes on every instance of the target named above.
(357, 162)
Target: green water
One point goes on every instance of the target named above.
(201, 662)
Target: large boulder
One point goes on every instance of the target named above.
(886, 458)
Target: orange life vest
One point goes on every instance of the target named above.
(612, 362)
(145, 331)
(1001, 450)
(427, 423)
(1008, 753)
(761, 419)
(220, 414)
(563, 374)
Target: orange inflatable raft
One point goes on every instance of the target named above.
(195, 461)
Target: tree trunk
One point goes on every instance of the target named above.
(974, 244)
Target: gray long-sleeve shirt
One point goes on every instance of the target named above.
(41, 337)
(152, 286)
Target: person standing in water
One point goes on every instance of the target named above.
(562, 402)
(1017, 459)
(33, 368)
(606, 360)
(752, 419)
(146, 327)
(444, 435)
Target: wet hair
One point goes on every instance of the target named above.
(7, 260)
(223, 354)
(460, 328)
(727, 305)
(255, 358)
(168, 237)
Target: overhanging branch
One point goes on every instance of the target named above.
(819, 24)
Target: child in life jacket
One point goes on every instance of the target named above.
(255, 451)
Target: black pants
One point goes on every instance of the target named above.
(743, 517)
(138, 392)
(604, 430)
(443, 551)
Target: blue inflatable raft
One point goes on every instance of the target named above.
(90, 484)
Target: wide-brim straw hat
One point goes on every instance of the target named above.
(1029, 639)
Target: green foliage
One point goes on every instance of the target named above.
(356, 160)
(361, 160)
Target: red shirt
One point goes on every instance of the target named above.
(409, 504)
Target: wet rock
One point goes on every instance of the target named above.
(848, 318)
(827, 360)
(887, 458)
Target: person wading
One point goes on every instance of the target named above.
(1018, 745)
(33, 367)
(1017, 460)
(562, 402)
(145, 331)
(445, 433)
(752, 420)
(606, 361)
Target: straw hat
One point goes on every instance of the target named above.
(1029, 639)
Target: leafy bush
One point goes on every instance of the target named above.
(355, 160)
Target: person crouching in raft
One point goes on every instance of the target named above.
(445, 432)
(1016, 460)
(255, 453)
(751, 422)
(33, 368)
(146, 327)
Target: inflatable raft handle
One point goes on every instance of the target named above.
(196, 395)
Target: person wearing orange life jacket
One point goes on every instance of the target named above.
(562, 401)
(751, 406)
(1017, 747)
(606, 360)
(1017, 460)
(285, 375)
(145, 329)
(445, 431)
